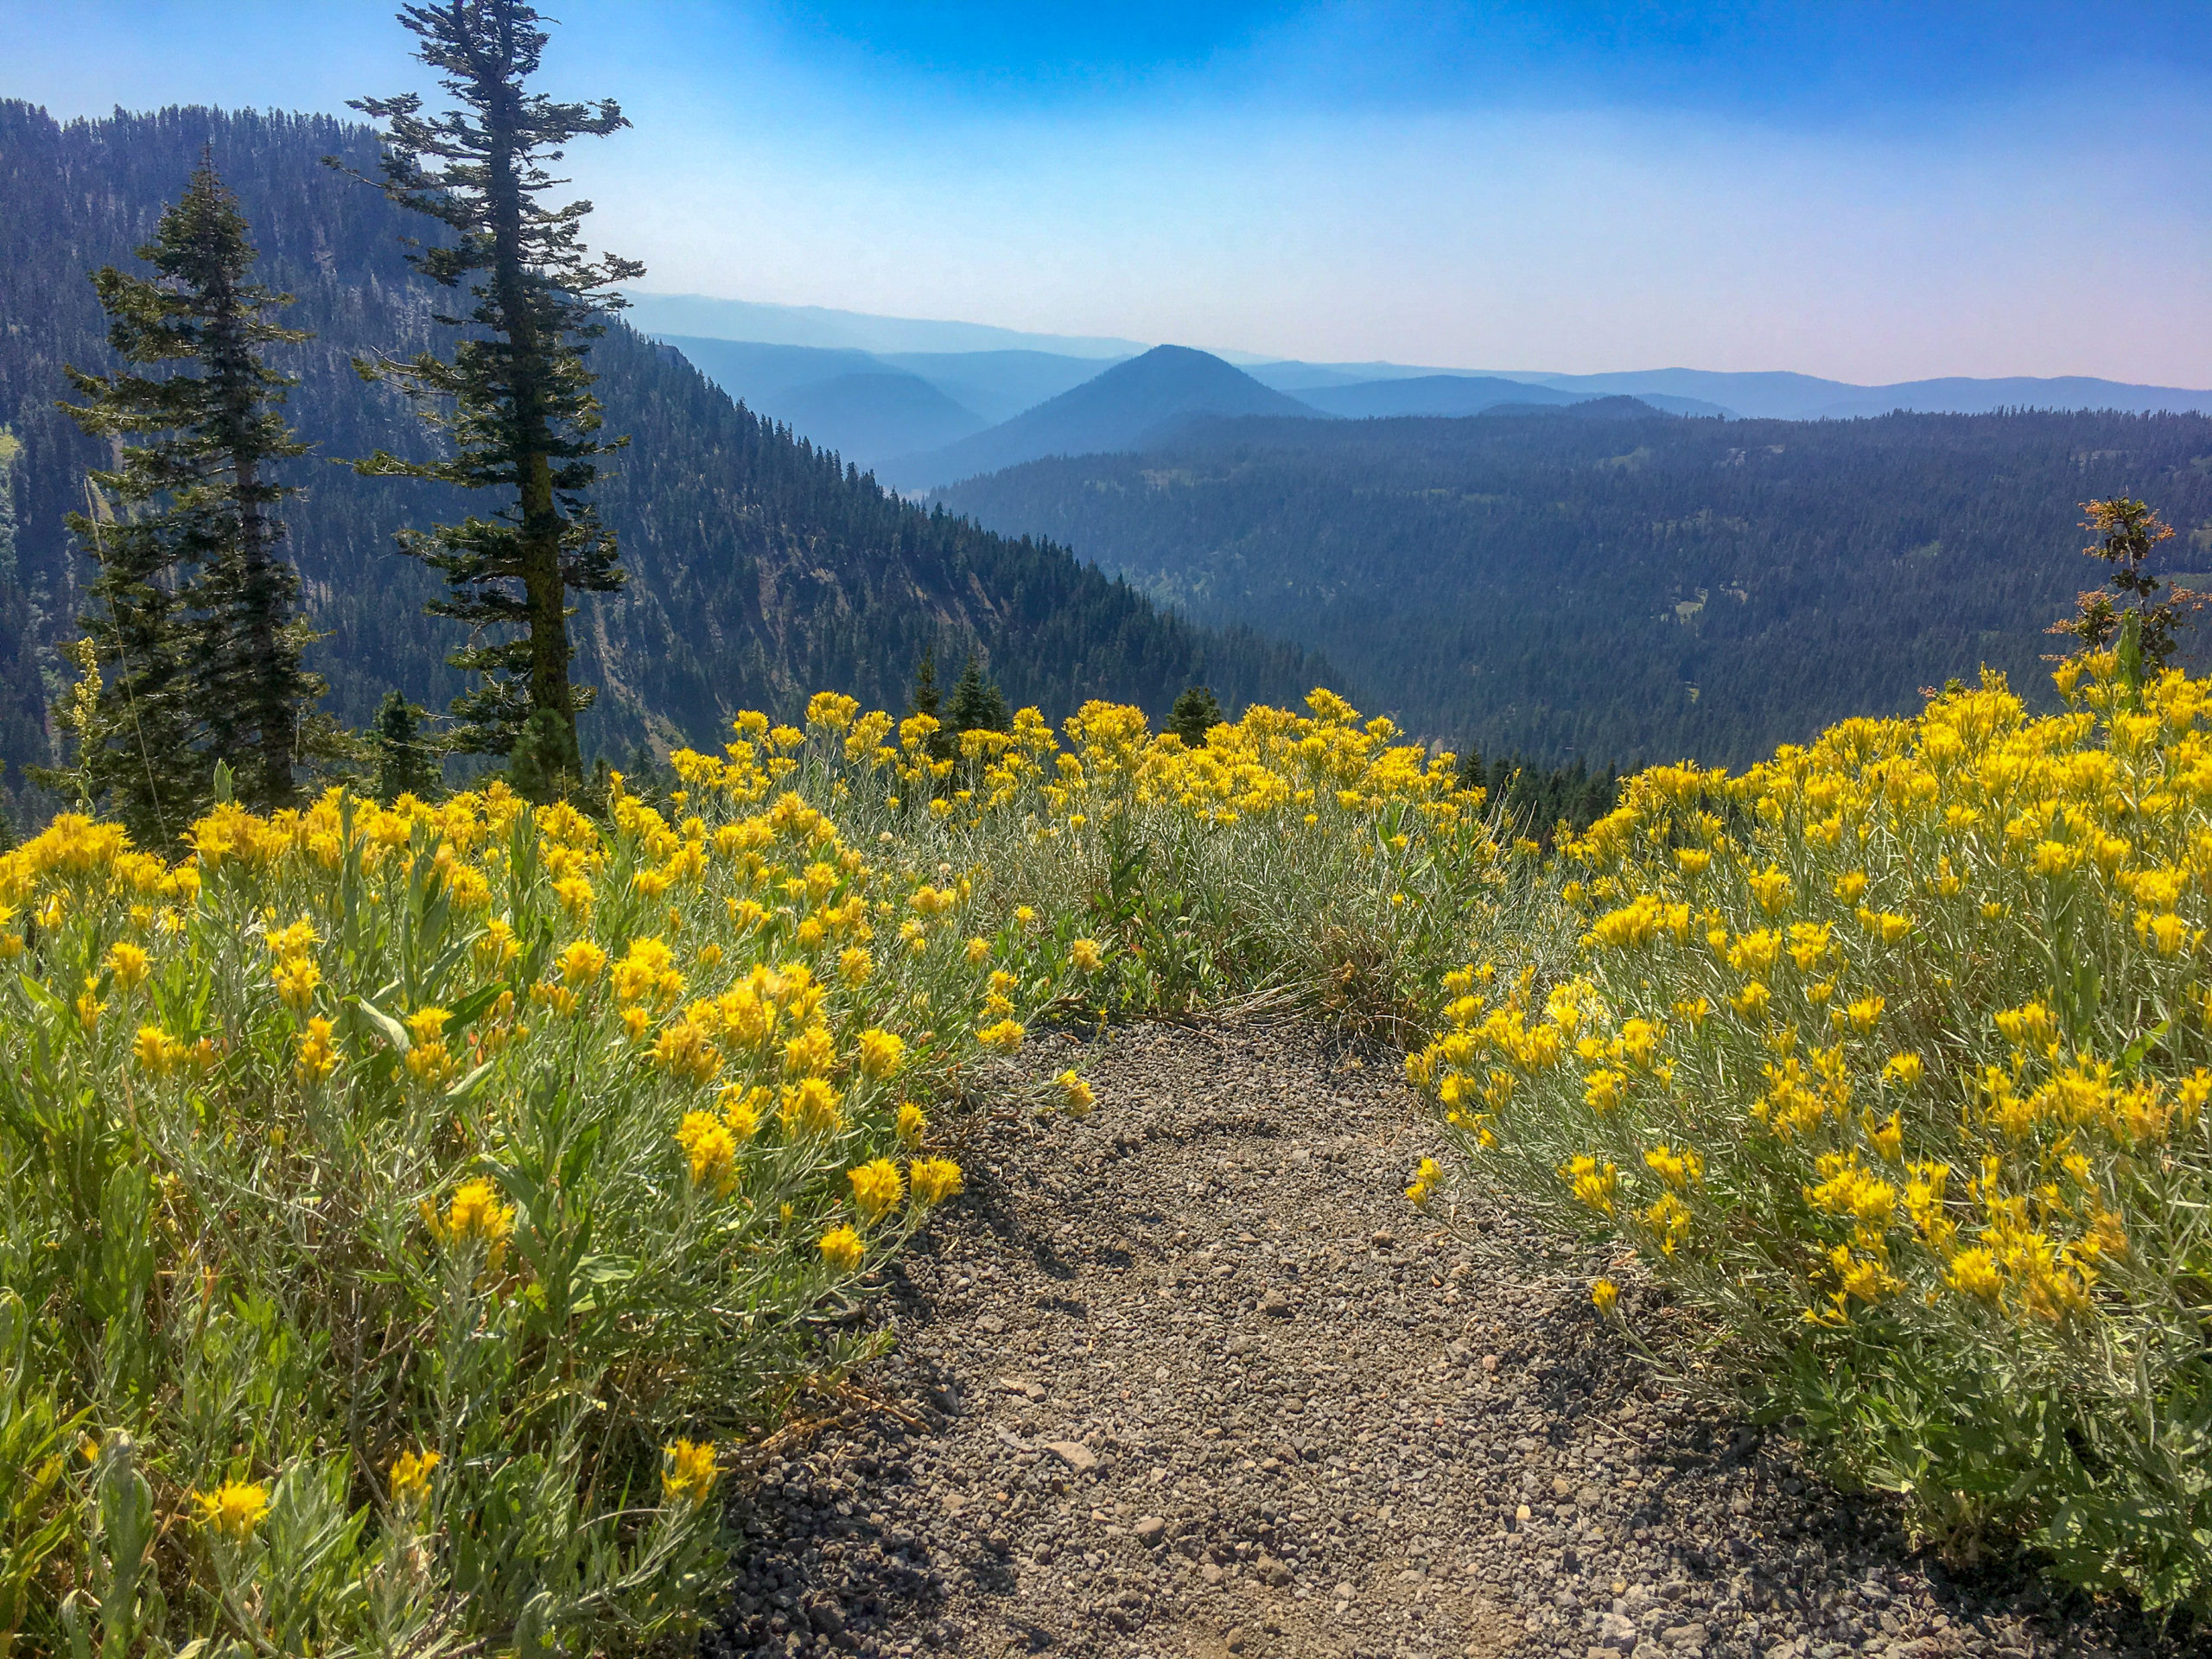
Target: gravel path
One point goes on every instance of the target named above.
(1189, 1377)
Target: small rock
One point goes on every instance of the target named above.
(1275, 1305)
(1233, 1638)
(1074, 1453)
(1149, 1529)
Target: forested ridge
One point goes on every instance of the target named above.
(759, 569)
(1627, 592)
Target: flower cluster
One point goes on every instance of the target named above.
(1896, 1042)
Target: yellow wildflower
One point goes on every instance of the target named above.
(1975, 1273)
(933, 1181)
(1075, 1097)
(1592, 1183)
(876, 1189)
(129, 963)
(411, 1477)
(711, 1149)
(474, 1217)
(1606, 1296)
(688, 1473)
(233, 1509)
(581, 964)
(881, 1052)
(811, 1107)
(1425, 1177)
(1681, 1170)
(842, 1248)
(318, 1057)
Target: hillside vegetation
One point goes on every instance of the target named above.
(1624, 591)
(405, 1207)
(1889, 1057)
(759, 568)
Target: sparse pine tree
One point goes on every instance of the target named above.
(977, 704)
(194, 612)
(539, 766)
(406, 761)
(1197, 712)
(926, 699)
(2143, 628)
(515, 400)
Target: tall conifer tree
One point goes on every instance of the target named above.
(515, 400)
(193, 613)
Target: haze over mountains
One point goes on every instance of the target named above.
(926, 404)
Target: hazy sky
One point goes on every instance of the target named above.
(1873, 191)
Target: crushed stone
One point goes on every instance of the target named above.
(1189, 1377)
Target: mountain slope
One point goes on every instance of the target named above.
(1783, 396)
(1429, 394)
(998, 385)
(760, 567)
(1129, 404)
(754, 371)
(868, 418)
(1633, 590)
(870, 405)
(850, 401)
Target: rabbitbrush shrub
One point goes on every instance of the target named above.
(402, 1209)
(1889, 1057)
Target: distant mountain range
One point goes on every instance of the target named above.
(1145, 400)
(1785, 396)
(1462, 394)
(870, 406)
(922, 419)
(862, 385)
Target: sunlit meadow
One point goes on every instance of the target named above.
(409, 1210)
(1888, 1058)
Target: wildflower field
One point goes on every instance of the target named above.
(1888, 1059)
(405, 1210)
(409, 1210)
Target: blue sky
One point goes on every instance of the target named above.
(1874, 192)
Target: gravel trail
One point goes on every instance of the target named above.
(1190, 1377)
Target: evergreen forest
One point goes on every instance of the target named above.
(1627, 592)
(758, 568)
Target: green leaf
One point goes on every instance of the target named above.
(469, 1084)
(392, 1029)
